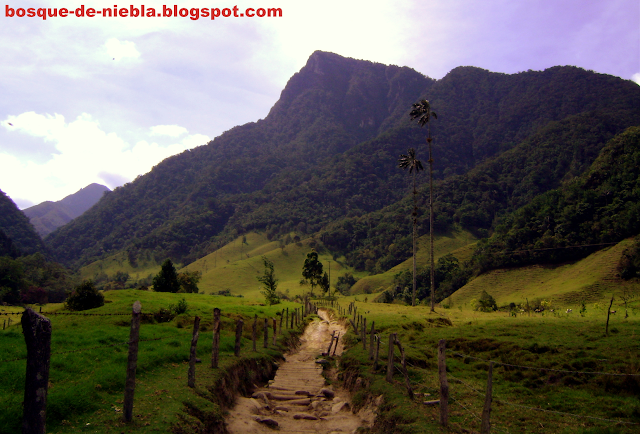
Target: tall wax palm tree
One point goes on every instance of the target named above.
(410, 162)
(423, 113)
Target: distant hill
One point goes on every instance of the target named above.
(325, 161)
(48, 216)
(17, 232)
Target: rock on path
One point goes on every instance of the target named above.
(297, 399)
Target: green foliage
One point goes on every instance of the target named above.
(16, 228)
(600, 206)
(486, 303)
(167, 279)
(84, 297)
(324, 283)
(312, 270)
(180, 307)
(629, 265)
(269, 283)
(11, 280)
(345, 282)
(188, 281)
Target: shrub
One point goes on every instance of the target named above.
(84, 297)
(179, 308)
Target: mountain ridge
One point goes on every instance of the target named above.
(306, 165)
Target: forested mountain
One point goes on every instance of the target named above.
(48, 216)
(325, 159)
(16, 229)
(600, 206)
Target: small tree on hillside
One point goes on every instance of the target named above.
(188, 281)
(269, 283)
(167, 279)
(312, 270)
(324, 283)
(84, 297)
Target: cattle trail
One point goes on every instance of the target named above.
(297, 399)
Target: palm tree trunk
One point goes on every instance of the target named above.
(433, 290)
(415, 221)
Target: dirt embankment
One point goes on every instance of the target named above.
(297, 400)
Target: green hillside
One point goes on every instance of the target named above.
(593, 279)
(457, 242)
(16, 227)
(235, 266)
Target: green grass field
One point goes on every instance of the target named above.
(564, 342)
(89, 354)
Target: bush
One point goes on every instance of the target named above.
(179, 308)
(163, 315)
(84, 297)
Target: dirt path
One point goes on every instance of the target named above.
(297, 400)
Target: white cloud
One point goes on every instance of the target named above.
(84, 153)
(636, 77)
(167, 130)
(121, 49)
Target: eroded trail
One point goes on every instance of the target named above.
(297, 400)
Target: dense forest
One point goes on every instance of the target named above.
(15, 226)
(325, 161)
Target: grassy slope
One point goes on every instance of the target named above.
(593, 278)
(458, 242)
(119, 262)
(236, 266)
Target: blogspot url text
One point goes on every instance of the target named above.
(142, 12)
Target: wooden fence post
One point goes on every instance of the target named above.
(331, 343)
(392, 339)
(239, 325)
(281, 318)
(275, 330)
(191, 376)
(364, 334)
(215, 350)
(375, 360)
(608, 314)
(266, 333)
(405, 372)
(37, 336)
(253, 331)
(130, 385)
(286, 317)
(486, 411)
(444, 386)
(337, 338)
(371, 340)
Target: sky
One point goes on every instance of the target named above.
(104, 99)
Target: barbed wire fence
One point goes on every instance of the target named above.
(468, 396)
(37, 330)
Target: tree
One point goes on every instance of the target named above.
(414, 165)
(324, 283)
(11, 280)
(167, 279)
(312, 270)
(84, 297)
(423, 113)
(269, 283)
(188, 281)
(486, 303)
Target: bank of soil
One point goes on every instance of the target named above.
(297, 400)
